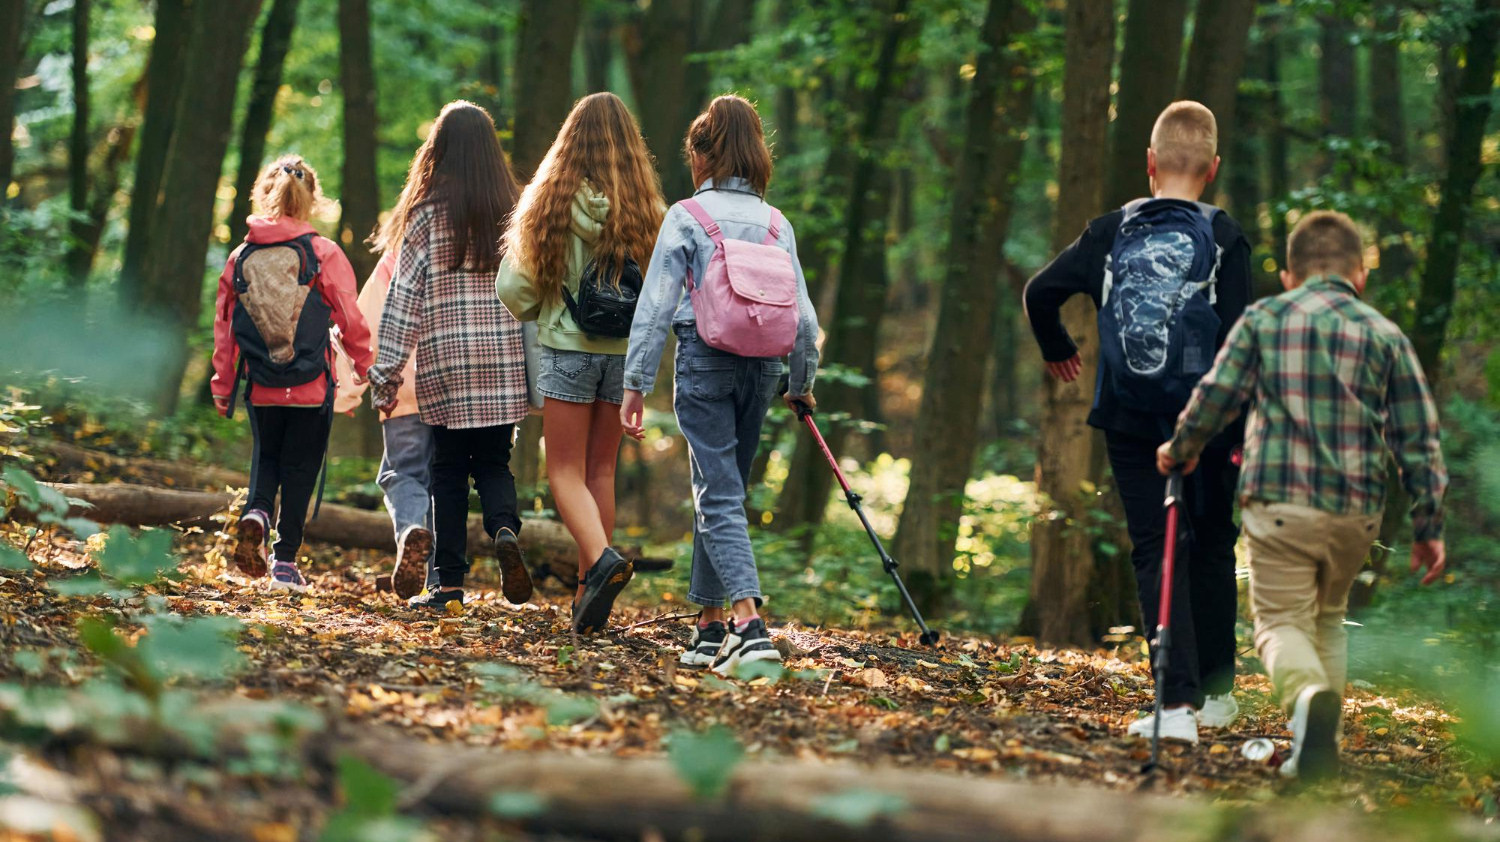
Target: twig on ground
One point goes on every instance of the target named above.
(662, 619)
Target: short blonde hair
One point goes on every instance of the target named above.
(288, 187)
(1185, 138)
(1325, 243)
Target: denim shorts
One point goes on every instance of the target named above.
(581, 377)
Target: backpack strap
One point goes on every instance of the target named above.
(710, 227)
(239, 374)
(773, 233)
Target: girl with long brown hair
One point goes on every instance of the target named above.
(471, 367)
(591, 212)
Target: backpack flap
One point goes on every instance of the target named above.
(280, 318)
(760, 273)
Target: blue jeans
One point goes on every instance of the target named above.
(406, 477)
(721, 401)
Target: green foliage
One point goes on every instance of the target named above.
(705, 761)
(858, 807)
(369, 811)
(517, 805)
(507, 682)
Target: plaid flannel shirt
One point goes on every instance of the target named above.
(1335, 384)
(471, 365)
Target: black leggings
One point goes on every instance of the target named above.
(458, 454)
(289, 445)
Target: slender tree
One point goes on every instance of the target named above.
(275, 40)
(1221, 35)
(1388, 121)
(543, 78)
(1278, 167)
(598, 46)
(998, 109)
(1150, 62)
(360, 199)
(12, 27)
(173, 269)
(859, 305)
(1337, 103)
(1062, 558)
(164, 77)
(1465, 164)
(79, 256)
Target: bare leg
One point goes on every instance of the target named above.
(566, 427)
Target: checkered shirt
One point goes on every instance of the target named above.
(1335, 384)
(471, 365)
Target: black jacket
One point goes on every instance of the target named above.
(1080, 269)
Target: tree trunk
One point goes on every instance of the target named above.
(164, 73)
(1150, 62)
(998, 110)
(785, 136)
(1388, 115)
(859, 306)
(543, 78)
(1062, 556)
(275, 40)
(1221, 35)
(1278, 167)
(657, 45)
(360, 201)
(174, 265)
(78, 258)
(1465, 165)
(1337, 101)
(598, 47)
(12, 25)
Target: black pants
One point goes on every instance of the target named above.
(1204, 596)
(484, 454)
(288, 454)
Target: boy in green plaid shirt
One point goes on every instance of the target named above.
(1335, 387)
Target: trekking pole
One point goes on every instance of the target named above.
(805, 414)
(1173, 505)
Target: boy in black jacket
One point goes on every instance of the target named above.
(1180, 162)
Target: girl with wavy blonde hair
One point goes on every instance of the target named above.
(591, 212)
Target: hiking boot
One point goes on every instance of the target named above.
(412, 552)
(1179, 724)
(286, 576)
(515, 580)
(601, 585)
(1219, 711)
(436, 600)
(250, 543)
(745, 645)
(705, 645)
(1315, 726)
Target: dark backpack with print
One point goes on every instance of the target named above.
(280, 319)
(603, 308)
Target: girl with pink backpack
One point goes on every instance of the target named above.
(725, 278)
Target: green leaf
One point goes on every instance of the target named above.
(759, 669)
(565, 709)
(858, 807)
(885, 702)
(27, 489)
(86, 584)
(706, 761)
(136, 559)
(517, 805)
(367, 792)
(12, 558)
(197, 647)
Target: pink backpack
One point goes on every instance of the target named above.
(746, 303)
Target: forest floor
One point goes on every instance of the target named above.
(977, 706)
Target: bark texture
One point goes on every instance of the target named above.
(1221, 36)
(275, 40)
(1150, 62)
(360, 192)
(12, 25)
(543, 78)
(79, 255)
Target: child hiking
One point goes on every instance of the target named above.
(592, 211)
(1169, 276)
(725, 278)
(471, 369)
(277, 295)
(405, 474)
(1334, 385)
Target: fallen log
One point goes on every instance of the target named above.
(549, 548)
(72, 459)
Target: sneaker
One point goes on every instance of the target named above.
(250, 546)
(412, 552)
(436, 600)
(1179, 724)
(515, 581)
(1219, 711)
(286, 576)
(1315, 725)
(601, 585)
(744, 646)
(705, 645)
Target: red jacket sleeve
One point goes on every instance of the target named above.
(342, 294)
(226, 351)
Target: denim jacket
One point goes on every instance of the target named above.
(683, 250)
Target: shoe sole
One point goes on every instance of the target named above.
(1319, 759)
(594, 616)
(247, 549)
(515, 579)
(733, 661)
(277, 585)
(408, 578)
(696, 661)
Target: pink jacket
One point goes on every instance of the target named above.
(371, 303)
(336, 283)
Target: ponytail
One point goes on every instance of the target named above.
(287, 187)
(730, 142)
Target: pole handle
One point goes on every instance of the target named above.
(1174, 488)
(803, 411)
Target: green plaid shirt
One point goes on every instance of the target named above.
(1334, 385)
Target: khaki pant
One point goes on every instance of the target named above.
(1302, 564)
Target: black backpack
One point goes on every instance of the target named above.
(603, 308)
(280, 319)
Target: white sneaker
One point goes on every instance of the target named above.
(744, 646)
(705, 645)
(1219, 711)
(1315, 726)
(1176, 724)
